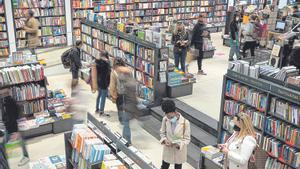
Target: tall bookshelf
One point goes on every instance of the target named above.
(145, 59)
(4, 44)
(275, 112)
(51, 15)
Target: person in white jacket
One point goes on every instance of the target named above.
(175, 136)
(240, 146)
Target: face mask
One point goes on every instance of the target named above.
(173, 120)
(234, 127)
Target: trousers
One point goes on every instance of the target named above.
(166, 165)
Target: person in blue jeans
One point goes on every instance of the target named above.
(103, 79)
(122, 90)
(234, 40)
(180, 40)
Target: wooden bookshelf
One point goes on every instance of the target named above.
(4, 49)
(51, 15)
(275, 94)
(117, 42)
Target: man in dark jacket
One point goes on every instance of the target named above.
(295, 57)
(197, 40)
(234, 42)
(103, 78)
(75, 54)
(10, 113)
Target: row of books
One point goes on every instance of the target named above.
(247, 95)
(4, 52)
(257, 118)
(285, 110)
(37, 3)
(232, 107)
(145, 79)
(53, 11)
(280, 74)
(28, 92)
(281, 151)
(4, 43)
(21, 74)
(145, 66)
(54, 31)
(273, 163)
(86, 29)
(53, 21)
(87, 39)
(286, 132)
(127, 46)
(18, 58)
(33, 106)
(145, 92)
(54, 40)
(20, 13)
(2, 27)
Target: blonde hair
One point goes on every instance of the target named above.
(245, 125)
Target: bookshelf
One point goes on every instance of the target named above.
(114, 149)
(148, 62)
(275, 112)
(51, 15)
(4, 44)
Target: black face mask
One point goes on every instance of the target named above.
(236, 128)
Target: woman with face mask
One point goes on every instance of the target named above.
(234, 40)
(175, 136)
(241, 144)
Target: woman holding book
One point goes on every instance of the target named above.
(180, 39)
(175, 136)
(240, 146)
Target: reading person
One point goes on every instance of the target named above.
(175, 136)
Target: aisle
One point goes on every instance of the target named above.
(207, 91)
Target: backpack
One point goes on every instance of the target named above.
(65, 59)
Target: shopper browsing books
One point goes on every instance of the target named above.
(175, 136)
(249, 38)
(180, 39)
(75, 61)
(234, 40)
(32, 29)
(10, 114)
(197, 40)
(240, 146)
(122, 90)
(103, 79)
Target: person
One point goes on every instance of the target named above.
(175, 136)
(295, 12)
(10, 113)
(197, 41)
(103, 79)
(249, 39)
(294, 58)
(240, 146)
(180, 39)
(75, 54)
(234, 40)
(122, 91)
(32, 28)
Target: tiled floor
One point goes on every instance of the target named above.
(206, 98)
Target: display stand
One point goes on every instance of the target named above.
(51, 15)
(263, 110)
(146, 60)
(96, 126)
(4, 44)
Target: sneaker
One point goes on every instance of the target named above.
(201, 72)
(23, 161)
(97, 112)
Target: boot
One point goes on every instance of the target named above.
(74, 83)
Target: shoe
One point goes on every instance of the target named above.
(201, 72)
(97, 112)
(106, 114)
(23, 161)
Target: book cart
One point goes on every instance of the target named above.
(275, 112)
(148, 62)
(113, 140)
(52, 18)
(4, 44)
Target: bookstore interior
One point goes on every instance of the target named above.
(241, 111)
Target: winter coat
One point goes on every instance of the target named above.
(182, 133)
(240, 151)
(10, 114)
(197, 37)
(103, 73)
(180, 36)
(75, 58)
(32, 28)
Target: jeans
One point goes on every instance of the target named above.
(124, 118)
(100, 104)
(180, 58)
(234, 49)
(22, 142)
(166, 165)
(32, 51)
(249, 45)
(200, 58)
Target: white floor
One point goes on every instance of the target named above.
(206, 98)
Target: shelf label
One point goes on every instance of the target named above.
(285, 93)
(248, 80)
